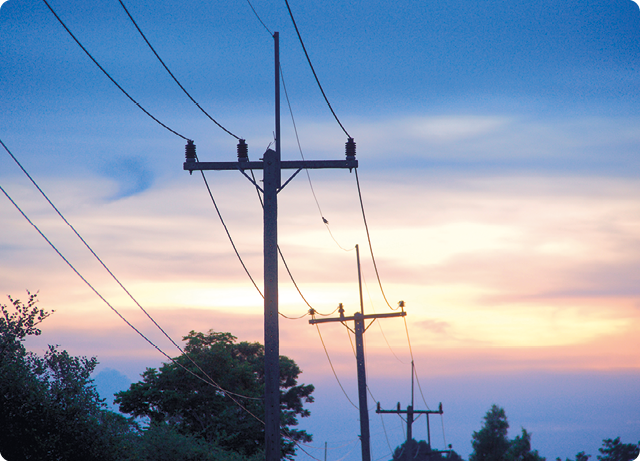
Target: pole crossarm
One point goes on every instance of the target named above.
(358, 316)
(284, 164)
(427, 412)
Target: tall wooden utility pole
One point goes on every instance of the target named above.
(272, 166)
(359, 318)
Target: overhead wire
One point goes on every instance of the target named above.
(226, 229)
(313, 192)
(110, 77)
(366, 226)
(333, 369)
(259, 19)
(379, 323)
(171, 73)
(113, 276)
(313, 70)
(142, 335)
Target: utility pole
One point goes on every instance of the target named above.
(272, 167)
(410, 412)
(359, 319)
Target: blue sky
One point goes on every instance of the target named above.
(498, 147)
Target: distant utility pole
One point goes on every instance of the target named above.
(272, 185)
(410, 412)
(359, 318)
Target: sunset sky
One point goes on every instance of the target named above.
(498, 147)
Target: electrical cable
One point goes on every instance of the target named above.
(313, 70)
(211, 382)
(109, 271)
(257, 16)
(111, 78)
(170, 73)
(384, 428)
(379, 323)
(306, 170)
(366, 226)
(333, 369)
(443, 436)
(229, 234)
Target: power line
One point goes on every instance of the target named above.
(170, 73)
(306, 170)
(229, 235)
(106, 268)
(333, 369)
(111, 78)
(379, 323)
(259, 19)
(313, 70)
(366, 226)
(211, 382)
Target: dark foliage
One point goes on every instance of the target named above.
(490, 443)
(49, 408)
(421, 451)
(193, 407)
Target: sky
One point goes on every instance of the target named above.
(498, 148)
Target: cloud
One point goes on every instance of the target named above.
(435, 326)
(132, 175)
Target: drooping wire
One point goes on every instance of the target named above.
(142, 335)
(333, 369)
(366, 226)
(384, 428)
(379, 323)
(229, 234)
(109, 76)
(313, 70)
(102, 262)
(259, 19)
(313, 192)
(443, 436)
(171, 74)
(284, 261)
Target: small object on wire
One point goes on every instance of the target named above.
(350, 148)
(324, 220)
(243, 151)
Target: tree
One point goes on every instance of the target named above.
(49, 408)
(421, 451)
(490, 443)
(579, 457)
(613, 450)
(520, 449)
(186, 401)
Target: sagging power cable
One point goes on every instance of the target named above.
(110, 77)
(171, 73)
(211, 380)
(313, 70)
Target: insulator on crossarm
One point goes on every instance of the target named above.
(190, 151)
(243, 151)
(350, 148)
